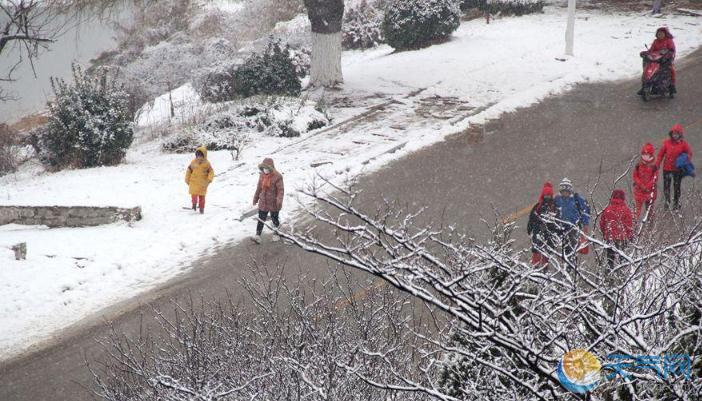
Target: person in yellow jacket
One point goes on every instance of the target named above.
(198, 176)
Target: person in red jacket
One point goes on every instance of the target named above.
(664, 42)
(616, 225)
(645, 180)
(668, 154)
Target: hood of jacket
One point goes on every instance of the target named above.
(665, 30)
(677, 129)
(203, 150)
(618, 197)
(267, 163)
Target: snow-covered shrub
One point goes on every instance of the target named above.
(227, 129)
(89, 122)
(412, 24)
(513, 7)
(505, 7)
(217, 86)
(8, 149)
(471, 4)
(269, 73)
(363, 27)
(301, 59)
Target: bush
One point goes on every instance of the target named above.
(89, 122)
(505, 7)
(269, 73)
(8, 149)
(229, 129)
(412, 24)
(218, 86)
(363, 27)
(515, 7)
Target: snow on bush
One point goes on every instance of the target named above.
(269, 73)
(241, 121)
(363, 27)
(89, 122)
(506, 7)
(412, 24)
(8, 149)
(217, 85)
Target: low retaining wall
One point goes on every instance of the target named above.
(65, 216)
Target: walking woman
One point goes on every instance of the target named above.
(268, 197)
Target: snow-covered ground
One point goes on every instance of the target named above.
(510, 63)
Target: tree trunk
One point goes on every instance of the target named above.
(326, 18)
(326, 60)
(570, 28)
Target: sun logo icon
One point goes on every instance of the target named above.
(579, 371)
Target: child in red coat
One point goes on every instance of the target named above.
(668, 154)
(616, 225)
(645, 180)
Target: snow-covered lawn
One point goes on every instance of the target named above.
(512, 62)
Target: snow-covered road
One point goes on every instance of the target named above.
(510, 63)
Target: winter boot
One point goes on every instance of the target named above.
(194, 207)
(257, 239)
(202, 210)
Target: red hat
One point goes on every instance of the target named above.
(546, 191)
(618, 194)
(677, 129)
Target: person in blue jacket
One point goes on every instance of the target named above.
(575, 213)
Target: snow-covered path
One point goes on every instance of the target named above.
(510, 63)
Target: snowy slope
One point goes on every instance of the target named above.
(71, 273)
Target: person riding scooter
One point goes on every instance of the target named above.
(662, 52)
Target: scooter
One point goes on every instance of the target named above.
(657, 77)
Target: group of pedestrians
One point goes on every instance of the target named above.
(268, 196)
(557, 223)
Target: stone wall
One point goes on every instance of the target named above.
(63, 216)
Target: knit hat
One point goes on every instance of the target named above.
(546, 191)
(647, 152)
(566, 184)
(618, 194)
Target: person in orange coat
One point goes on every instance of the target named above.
(616, 225)
(668, 154)
(199, 176)
(645, 179)
(268, 196)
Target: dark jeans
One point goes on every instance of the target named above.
(571, 240)
(612, 255)
(263, 216)
(676, 178)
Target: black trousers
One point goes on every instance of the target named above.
(571, 241)
(676, 178)
(263, 216)
(612, 255)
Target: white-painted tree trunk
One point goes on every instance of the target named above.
(570, 28)
(326, 60)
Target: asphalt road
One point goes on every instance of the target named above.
(587, 134)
